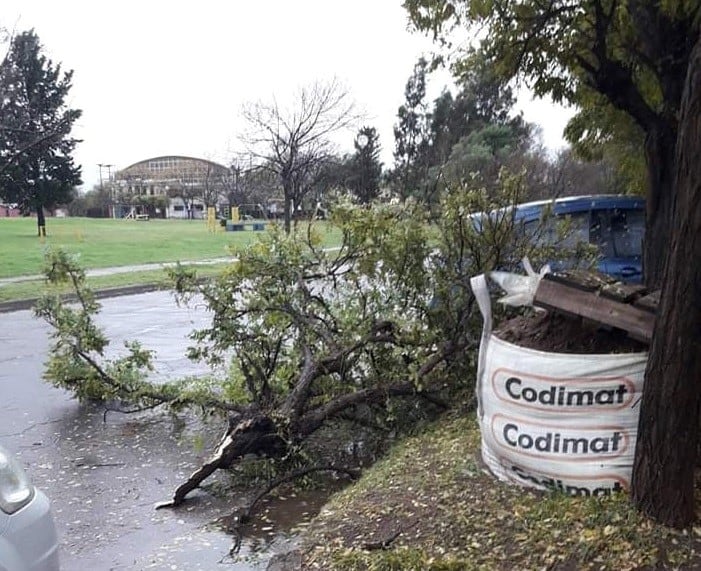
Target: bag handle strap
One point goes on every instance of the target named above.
(484, 302)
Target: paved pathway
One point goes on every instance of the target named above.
(16, 305)
(20, 304)
(121, 269)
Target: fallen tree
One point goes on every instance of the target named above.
(379, 331)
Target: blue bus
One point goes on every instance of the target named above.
(615, 224)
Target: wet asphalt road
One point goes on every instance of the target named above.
(104, 478)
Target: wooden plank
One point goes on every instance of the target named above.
(557, 296)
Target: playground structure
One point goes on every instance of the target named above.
(256, 216)
(134, 215)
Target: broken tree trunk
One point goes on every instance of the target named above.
(255, 432)
(247, 434)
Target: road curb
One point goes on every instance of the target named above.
(24, 304)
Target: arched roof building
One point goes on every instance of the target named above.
(170, 167)
(173, 186)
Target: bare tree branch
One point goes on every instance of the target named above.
(294, 143)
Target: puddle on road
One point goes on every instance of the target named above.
(104, 480)
(273, 530)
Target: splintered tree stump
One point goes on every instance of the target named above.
(251, 434)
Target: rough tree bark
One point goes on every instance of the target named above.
(41, 222)
(665, 459)
(660, 158)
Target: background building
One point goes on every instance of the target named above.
(170, 187)
(9, 211)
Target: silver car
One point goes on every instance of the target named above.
(28, 539)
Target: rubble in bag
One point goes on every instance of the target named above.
(550, 419)
(592, 296)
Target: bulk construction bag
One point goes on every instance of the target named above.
(554, 420)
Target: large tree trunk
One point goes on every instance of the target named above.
(41, 222)
(660, 143)
(288, 212)
(665, 459)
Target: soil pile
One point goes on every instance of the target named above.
(557, 333)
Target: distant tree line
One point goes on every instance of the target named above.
(470, 132)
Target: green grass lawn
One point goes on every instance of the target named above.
(432, 498)
(106, 242)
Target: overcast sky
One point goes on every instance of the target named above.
(170, 78)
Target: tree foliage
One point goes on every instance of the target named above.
(358, 174)
(484, 151)
(411, 134)
(36, 166)
(473, 131)
(483, 99)
(365, 167)
(621, 143)
(600, 55)
(96, 203)
(249, 186)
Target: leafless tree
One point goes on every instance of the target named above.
(196, 182)
(238, 187)
(294, 142)
(184, 184)
(213, 185)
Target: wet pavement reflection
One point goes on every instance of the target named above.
(104, 478)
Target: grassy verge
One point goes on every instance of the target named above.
(450, 515)
(156, 278)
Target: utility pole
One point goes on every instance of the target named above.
(113, 214)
